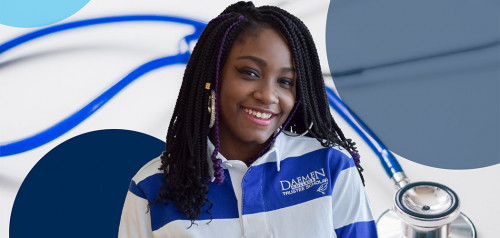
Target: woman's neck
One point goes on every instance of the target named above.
(238, 150)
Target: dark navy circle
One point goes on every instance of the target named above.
(79, 187)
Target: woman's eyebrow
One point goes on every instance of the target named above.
(264, 63)
(288, 69)
(255, 59)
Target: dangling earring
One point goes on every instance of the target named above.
(211, 108)
(299, 135)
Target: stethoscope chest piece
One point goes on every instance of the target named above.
(425, 209)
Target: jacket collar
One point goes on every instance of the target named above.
(274, 154)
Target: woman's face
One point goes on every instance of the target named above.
(258, 88)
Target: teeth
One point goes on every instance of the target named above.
(262, 115)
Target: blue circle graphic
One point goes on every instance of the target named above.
(79, 187)
(426, 83)
(36, 13)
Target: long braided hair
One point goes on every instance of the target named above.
(186, 175)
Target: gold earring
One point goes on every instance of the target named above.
(211, 108)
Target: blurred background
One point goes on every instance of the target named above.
(48, 79)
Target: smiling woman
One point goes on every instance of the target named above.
(229, 170)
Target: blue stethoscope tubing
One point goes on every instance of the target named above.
(43, 137)
(387, 159)
(198, 25)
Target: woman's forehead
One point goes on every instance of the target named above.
(267, 44)
(256, 30)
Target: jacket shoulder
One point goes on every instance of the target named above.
(149, 169)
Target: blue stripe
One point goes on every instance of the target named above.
(136, 190)
(265, 189)
(151, 186)
(365, 229)
(222, 197)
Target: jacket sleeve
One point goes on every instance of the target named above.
(352, 215)
(135, 220)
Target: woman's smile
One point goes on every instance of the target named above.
(259, 117)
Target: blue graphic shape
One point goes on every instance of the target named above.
(427, 86)
(79, 187)
(36, 13)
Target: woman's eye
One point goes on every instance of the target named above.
(286, 82)
(249, 72)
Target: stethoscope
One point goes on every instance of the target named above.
(49, 134)
(421, 209)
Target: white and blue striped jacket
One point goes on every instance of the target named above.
(297, 189)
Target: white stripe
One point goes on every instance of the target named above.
(350, 201)
(135, 221)
(216, 229)
(301, 146)
(309, 219)
(148, 169)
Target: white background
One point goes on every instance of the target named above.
(46, 80)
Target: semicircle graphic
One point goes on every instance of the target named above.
(36, 13)
(81, 185)
(426, 86)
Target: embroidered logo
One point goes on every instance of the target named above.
(322, 188)
(313, 179)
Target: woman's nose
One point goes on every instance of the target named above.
(266, 93)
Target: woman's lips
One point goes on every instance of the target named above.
(259, 117)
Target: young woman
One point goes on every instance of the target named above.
(230, 170)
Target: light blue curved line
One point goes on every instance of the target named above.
(73, 120)
(387, 159)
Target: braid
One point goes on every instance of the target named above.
(311, 88)
(218, 170)
(184, 163)
(326, 123)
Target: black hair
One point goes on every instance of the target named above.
(185, 167)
